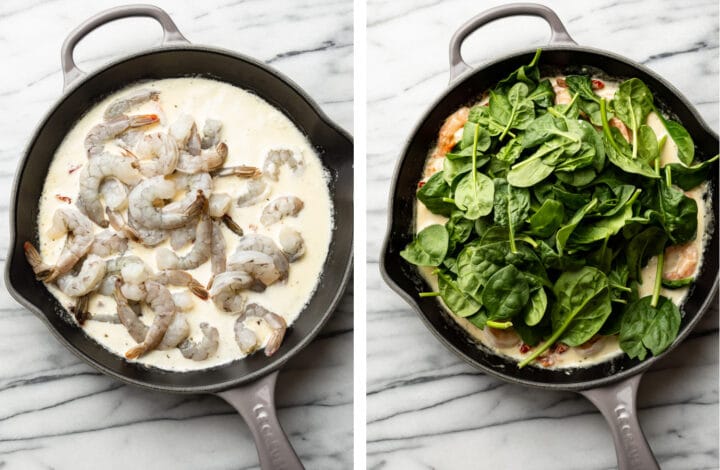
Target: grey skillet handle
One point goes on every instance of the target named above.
(256, 404)
(617, 404)
(559, 34)
(70, 70)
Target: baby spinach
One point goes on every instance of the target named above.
(647, 144)
(547, 219)
(429, 247)
(474, 195)
(460, 303)
(564, 232)
(677, 283)
(677, 213)
(528, 173)
(644, 327)
(642, 247)
(433, 195)
(511, 207)
(686, 178)
(535, 310)
(459, 229)
(505, 294)
(632, 103)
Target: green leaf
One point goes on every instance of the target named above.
(428, 248)
(677, 283)
(563, 234)
(468, 137)
(642, 247)
(457, 301)
(682, 139)
(474, 195)
(535, 310)
(528, 173)
(678, 213)
(632, 103)
(647, 144)
(687, 178)
(547, 219)
(601, 229)
(512, 206)
(459, 229)
(506, 294)
(432, 194)
(644, 327)
(582, 85)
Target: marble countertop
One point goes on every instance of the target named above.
(57, 412)
(426, 407)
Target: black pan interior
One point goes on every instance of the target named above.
(406, 280)
(334, 146)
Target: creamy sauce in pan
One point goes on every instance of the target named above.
(607, 347)
(251, 127)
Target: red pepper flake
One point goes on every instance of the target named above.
(74, 168)
(598, 84)
(524, 348)
(62, 198)
(561, 82)
(421, 184)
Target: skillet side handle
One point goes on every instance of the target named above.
(256, 404)
(617, 403)
(70, 70)
(559, 34)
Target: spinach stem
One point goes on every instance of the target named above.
(449, 200)
(499, 325)
(429, 294)
(619, 287)
(474, 162)
(619, 301)
(668, 175)
(634, 133)
(606, 126)
(528, 240)
(658, 280)
(511, 229)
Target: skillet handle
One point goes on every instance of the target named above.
(617, 403)
(70, 70)
(256, 404)
(559, 34)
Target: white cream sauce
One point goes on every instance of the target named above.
(607, 347)
(251, 127)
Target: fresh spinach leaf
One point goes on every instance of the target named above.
(547, 219)
(474, 195)
(677, 213)
(506, 294)
(563, 234)
(682, 139)
(647, 144)
(535, 310)
(429, 247)
(632, 103)
(687, 178)
(457, 301)
(528, 173)
(644, 327)
(511, 207)
(459, 229)
(642, 247)
(433, 193)
(677, 283)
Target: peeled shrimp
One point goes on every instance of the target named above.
(86, 280)
(183, 301)
(292, 243)
(257, 264)
(161, 302)
(680, 261)
(181, 236)
(147, 236)
(211, 133)
(255, 191)
(128, 317)
(106, 130)
(65, 221)
(122, 105)
(279, 208)
(204, 348)
(208, 159)
(265, 244)
(501, 338)
(447, 136)
(182, 130)
(191, 184)
(246, 338)
(158, 154)
(562, 93)
(176, 333)
(200, 252)
(114, 193)
(615, 122)
(97, 169)
(219, 204)
(143, 209)
(243, 171)
(117, 221)
(173, 277)
(218, 260)
(276, 158)
(227, 289)
(108, 243)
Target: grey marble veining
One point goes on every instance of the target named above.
(55, 411)
(427, 408)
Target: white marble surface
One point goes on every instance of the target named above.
(426, 408)
(55, 411)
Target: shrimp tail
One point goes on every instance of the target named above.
(43, 272)
(80, 310)
(198, 289)
(232, 225)
(136, 351)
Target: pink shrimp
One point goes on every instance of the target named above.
(680, 261)
(446, 137)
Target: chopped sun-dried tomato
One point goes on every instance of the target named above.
(421, 184)
(598, 84)
(561, 348)
(561, 82)
(546, 361)
(62, 198)
(524, 348)
(73, 169)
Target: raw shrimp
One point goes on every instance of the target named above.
(133, 272)
(191, 184)
(174, 277)
(255, 191)
(65, 221)
(97, 169)
(232, 225)
(98, 135)
(158, 154)
(161, 302)
(218, 260)
(278, 157)
(243, 171)
(208, 159)
(181, 236)
(292, 243)
(447, 137)
(143, 210)
(183, 301)
(211, 133)
(114, 193)
(184, 130)
(244, 336)
(501, 338)
(562, 94)
(117, 221)
(265, 244)
(86, 280)
(257, 264)
(108, 243)
(122, 105)
(227, 288)
(219, 204)
(176, 333)
(615, 122)
(200, 252)
(278, 208)
(205, 347)
(80, 309)
(681, 261)
(128, 317)
(147, 236)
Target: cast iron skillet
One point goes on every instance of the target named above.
(248, 385)
(611, 386)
